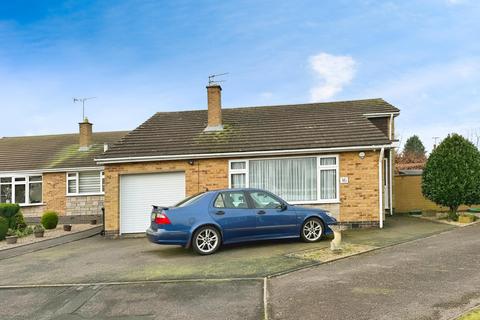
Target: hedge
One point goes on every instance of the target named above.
(3, 227)
(10, 211)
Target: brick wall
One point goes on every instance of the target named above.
(409, 197)
(33, 211)
(54, 198)
(54, 191)
(53, 194)
(206, 174)
(84, 205)
(359, 198)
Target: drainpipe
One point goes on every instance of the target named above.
(380, 188)
(103, 222)
(390, 184)
(390, 167)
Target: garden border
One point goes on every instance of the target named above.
(48, 243)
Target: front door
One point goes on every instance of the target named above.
(231, 211)
(272, 220)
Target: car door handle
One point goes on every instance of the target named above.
(261, 212)
(220, 213)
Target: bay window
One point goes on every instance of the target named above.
(85, 182)
(312, 179)
(23, 190)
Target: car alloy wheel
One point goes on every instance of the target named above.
(206, 240)
(312, 230)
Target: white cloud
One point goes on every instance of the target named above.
(435, 100)
(333, 73)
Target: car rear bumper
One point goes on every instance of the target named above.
(162, 236)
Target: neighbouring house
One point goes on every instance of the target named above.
(55, 172)
(335, 155)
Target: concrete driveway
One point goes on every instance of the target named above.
(433, 278)
(99, 260)
(129, 279)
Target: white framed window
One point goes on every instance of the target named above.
(85, 183)
(238, 174)
(21, 189)
(309, 179)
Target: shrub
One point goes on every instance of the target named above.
(8, 211)
(452, 174)
(49, 220)
(24, 232)
(38, 228)
(3, 227)
(19, 221)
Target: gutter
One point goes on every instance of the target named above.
(381, 114)
(40, 171)
(243, 154)
(380, 188)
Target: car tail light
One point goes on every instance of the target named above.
(162, 218)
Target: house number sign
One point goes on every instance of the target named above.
(344, 180)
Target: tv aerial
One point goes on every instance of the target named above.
(212, 81)
(82, 100)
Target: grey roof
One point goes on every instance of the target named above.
(51, 151)
(267, 128)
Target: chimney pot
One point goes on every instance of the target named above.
(214, 97)
(85, 135)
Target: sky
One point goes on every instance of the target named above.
(143, 56)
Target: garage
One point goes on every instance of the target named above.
(139, 192)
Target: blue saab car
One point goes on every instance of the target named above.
(207, 220)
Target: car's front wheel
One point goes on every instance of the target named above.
(206, 240)
(312, 230)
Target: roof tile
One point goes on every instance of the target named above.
(302, 126)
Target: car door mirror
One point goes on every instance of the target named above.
(283, 207)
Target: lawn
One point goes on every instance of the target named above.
(473, 315)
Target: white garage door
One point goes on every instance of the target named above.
(139, 192)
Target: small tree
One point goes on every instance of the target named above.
(452, 174)
(414, 147)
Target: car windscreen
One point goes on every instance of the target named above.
(189, 200)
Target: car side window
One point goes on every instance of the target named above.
(263, 200)
(219, 203)
(231, 200)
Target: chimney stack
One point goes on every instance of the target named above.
(214, 95)
(85, 135)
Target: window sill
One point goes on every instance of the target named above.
(313, 202)
(31, 205)
(86, 194)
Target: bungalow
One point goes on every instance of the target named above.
(334, 155)
(55, 172)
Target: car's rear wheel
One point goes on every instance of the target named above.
(206, 240)
(312, 230)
